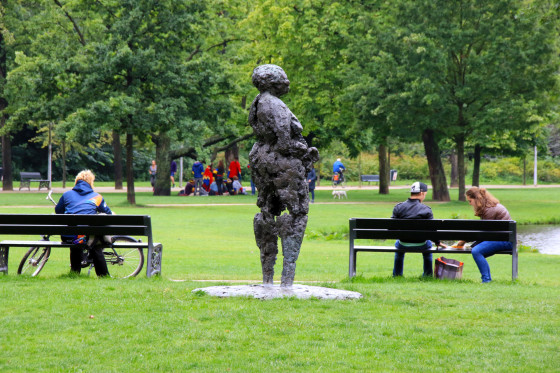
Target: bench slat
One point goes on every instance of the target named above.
(130, 230)
(391, 249)
(13, 243)
(416, 235)
(433, 224)
(74, 219)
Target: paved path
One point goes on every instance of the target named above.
(104, 189)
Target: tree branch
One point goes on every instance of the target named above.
(76, 28)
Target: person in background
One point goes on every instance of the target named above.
(220, 177)
(197, 171)
(338, 169)
(252, 182)
(153, 171)
(229, 187)
(234, 169)
(311, 178)
(207, 178)
(173, 170)
(413, 208)
(238, 189)
(487, 207)
(213, 189)
(189, 189)
(83, 200)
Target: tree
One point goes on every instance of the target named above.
(497, 67)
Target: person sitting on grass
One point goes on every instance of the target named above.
(413, 208)
(237, 186)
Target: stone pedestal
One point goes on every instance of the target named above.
(277, 291)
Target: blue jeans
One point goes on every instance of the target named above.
(399, 260)
(485, 249)
(312, 191)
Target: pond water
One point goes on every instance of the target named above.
(545, 238)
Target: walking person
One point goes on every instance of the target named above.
(173, 170)
(487, 207)
(413, 208)
(311, 178)
(153, 171)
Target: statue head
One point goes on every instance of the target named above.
(271, 78)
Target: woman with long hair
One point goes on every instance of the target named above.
(487, 207)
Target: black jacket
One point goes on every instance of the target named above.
(413, 209)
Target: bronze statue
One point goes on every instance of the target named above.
(280, 161)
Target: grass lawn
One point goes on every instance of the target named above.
(406, 324)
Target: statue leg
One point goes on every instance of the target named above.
(291, 229)
(267, 240)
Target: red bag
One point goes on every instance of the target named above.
(448, 268)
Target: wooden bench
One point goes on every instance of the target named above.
(27, 177)
(68, 224)
(436, 229)
(369, 178)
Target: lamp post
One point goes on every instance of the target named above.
(49, 172)
(535, 168)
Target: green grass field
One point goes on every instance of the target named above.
(158, 324)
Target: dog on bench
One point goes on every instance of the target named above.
(339, 194)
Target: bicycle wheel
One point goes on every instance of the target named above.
(34, 260)
(124, 262)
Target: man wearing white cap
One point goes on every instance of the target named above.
(413, 208)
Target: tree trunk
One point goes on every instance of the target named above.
(163, 181)
(117, 160)
(230, 154)
(383, 170)
(440, 192)
(460, 142)
(7, 177)
(454, 174)
(130, 195)
(476, 165)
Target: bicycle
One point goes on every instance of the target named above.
(338, 179)
(121, 262)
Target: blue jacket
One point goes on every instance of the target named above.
(82, 200)
(337, 166)
(313, 177)
(197, 169)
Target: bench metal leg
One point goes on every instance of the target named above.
(25, 184)
(4, 251)
(352, 265)
(154, 260)
(514, 263)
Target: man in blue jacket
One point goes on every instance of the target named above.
(83, 200)
(338, 168)
(198, 173)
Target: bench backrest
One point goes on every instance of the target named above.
(434, 229)
(370, 177)
(29, 175)
(68, 224)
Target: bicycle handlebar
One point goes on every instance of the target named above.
(49, 197)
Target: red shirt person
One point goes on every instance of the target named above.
(234, 169)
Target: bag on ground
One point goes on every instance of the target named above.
(448, 268)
